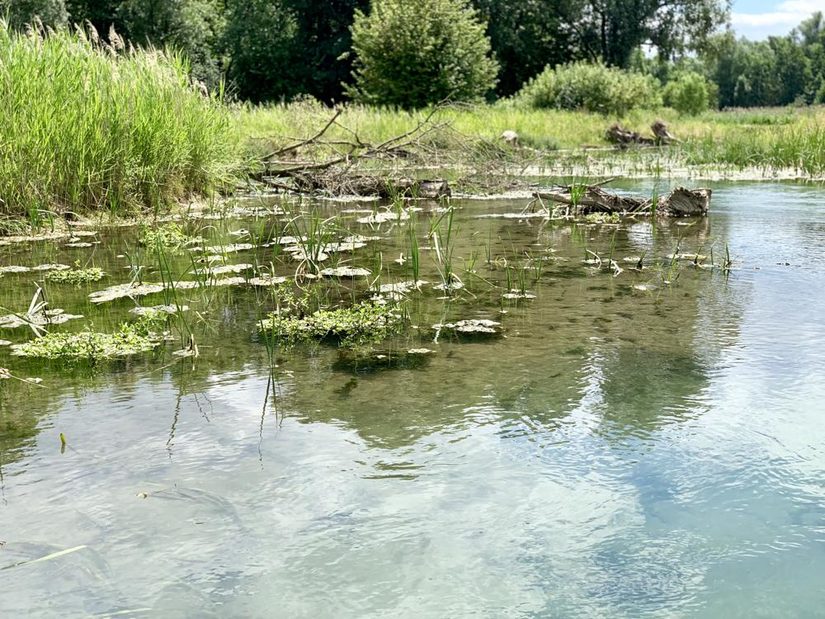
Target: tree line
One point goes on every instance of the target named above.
(411, 53)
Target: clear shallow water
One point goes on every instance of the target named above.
(619, 453)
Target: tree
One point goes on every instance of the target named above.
(194, 27)
(526, 36)
(102, 14)
(794, 67)
(412, 55)
(611, 30)
(51, 13)
(261, 40)
(324, 38)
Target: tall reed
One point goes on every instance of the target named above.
(92, 125)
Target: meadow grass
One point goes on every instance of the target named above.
(769, 139)
(86, 126)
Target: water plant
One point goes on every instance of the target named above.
(130, 339)
(169, 235)
(360, 324)
(76, 276)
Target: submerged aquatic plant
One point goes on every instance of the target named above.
(131, 339)
(167, 236)
(76, 276)
(360, 324)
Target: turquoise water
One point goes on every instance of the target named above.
(621, 452)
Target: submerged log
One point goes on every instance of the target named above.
(584, 200)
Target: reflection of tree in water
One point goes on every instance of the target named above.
(642, 350)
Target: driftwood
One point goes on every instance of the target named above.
(346, 183)
(318, 164)
(623, 138)
(584, 200)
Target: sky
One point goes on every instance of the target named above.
(758, 19)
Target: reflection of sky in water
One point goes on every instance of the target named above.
(668, 475)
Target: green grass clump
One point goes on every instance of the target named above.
(76, 276)
(358, 325)
(132, 339)
(167, 236)
(86, 125)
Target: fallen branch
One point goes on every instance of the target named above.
(584, 200)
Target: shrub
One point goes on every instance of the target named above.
(687, 94)
(413, 54)
(88, 126)
(591, 87)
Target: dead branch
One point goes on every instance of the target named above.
(316, 137)
(584, 200)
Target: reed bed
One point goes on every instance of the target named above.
(86, 125)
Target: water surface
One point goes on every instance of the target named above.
(621, 452)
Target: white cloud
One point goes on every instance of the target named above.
(786, 16)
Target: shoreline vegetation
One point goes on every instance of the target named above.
(92, 126)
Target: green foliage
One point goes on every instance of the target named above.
(93, 126)
(591, 87)
(22, 13)
(688, 93)
(192, 27)
(612, 29)
(91, 346)
(526, 36)
(358, 325)
(168, 236)
(414, 54)
(261, 37)
(76, 276)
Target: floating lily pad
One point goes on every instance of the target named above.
(481, 327)
(225, 269)
(384, 217)
(230, 248)
(516, 295)
(38, 268)
(350, 272)
(134, 291)
(267, 280)
(39, 319)
(343, 246)
(158, 309)
(684, 256)
(299, 254)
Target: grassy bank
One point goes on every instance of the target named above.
(85, 126)
(767, 139)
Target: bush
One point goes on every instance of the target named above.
(86, 126)
(413, 54)
(689, 93)
(591, 87)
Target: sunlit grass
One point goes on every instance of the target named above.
(85, 126)
(770, 138)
